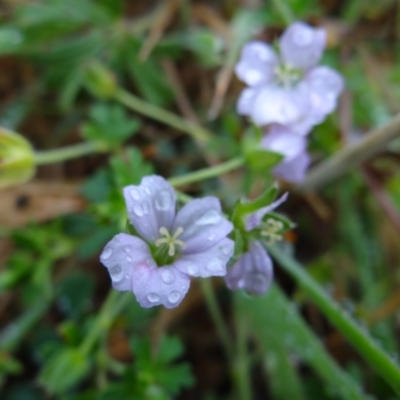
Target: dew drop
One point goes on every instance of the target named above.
(212, 237)
(146, 207)
(152, 297)
(129, 259)
(167, 276)
(226, 250)
(192, 269)
(106, 254)
(215, 266)
(116, 273)
(147, 190)
(138, 210)
(173, 297)
(163, 200)
(135, 194)
(210, 217)
(127, 250)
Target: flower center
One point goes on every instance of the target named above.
(270, 230)
(287, 76)
(170, 241)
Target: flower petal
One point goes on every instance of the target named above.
(211, 262)
(281, 140)
(245, 102)
(274, 104)
(325, 86)
(203, 224)
(121, 255)
(164, 285)
(151, 205)
(302, 45)
(293, 170)
(254, 219)
(257, 63)
(253, 272)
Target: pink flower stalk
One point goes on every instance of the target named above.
(289, 89)
(170, 247)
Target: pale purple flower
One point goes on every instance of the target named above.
(288, 89)
(194, 241)
(253, 272)
(293, 147)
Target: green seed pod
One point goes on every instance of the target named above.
(17, 163)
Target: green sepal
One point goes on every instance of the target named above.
(99, 80)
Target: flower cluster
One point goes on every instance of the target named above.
(288, 93)
(168, 247)
(253, 271)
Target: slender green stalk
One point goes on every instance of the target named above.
(111, 307)
(242, 365)
(284, 9)
(206, 173)
(216, 315)
(356, 335)
(159, 114)
(65, 153)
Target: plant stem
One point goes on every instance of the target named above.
(129, 100)
(111, 307)
(216, 315)
(66, 153)
(356, 335)
(241, 366)
(370, 144)
(286, 12)
(206, 173)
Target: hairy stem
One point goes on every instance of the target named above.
(159, 114)
(66, 153)
(206, 173)
(356, 335)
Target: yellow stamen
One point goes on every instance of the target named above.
(170, 241)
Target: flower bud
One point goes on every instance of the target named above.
(99, 80)
(17, 163)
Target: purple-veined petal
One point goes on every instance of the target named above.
(301, 45)
(203, 224)
(325, 85)
(257, 63)
(245, 102)
(293, 170)
(281, 140)
(211, 262)
(254, 219)
(274, 104)
(151, 205)
(253, 272)
(121, 255)
(164, 285)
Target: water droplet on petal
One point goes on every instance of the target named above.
(138, 210)
(210, 217)
(129, 259)
(215, 266)
(173, 297)
(147, 190)
(146, 207)
(106, 254)
(116, 273)
(212, 236)
(127, 250)
(192, 269)
(153, 297)
(227, 250)
(163, 200)
(167, 276)
(135, 194)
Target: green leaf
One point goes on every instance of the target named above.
(64, 370)
(263, 160)
(170, 348)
